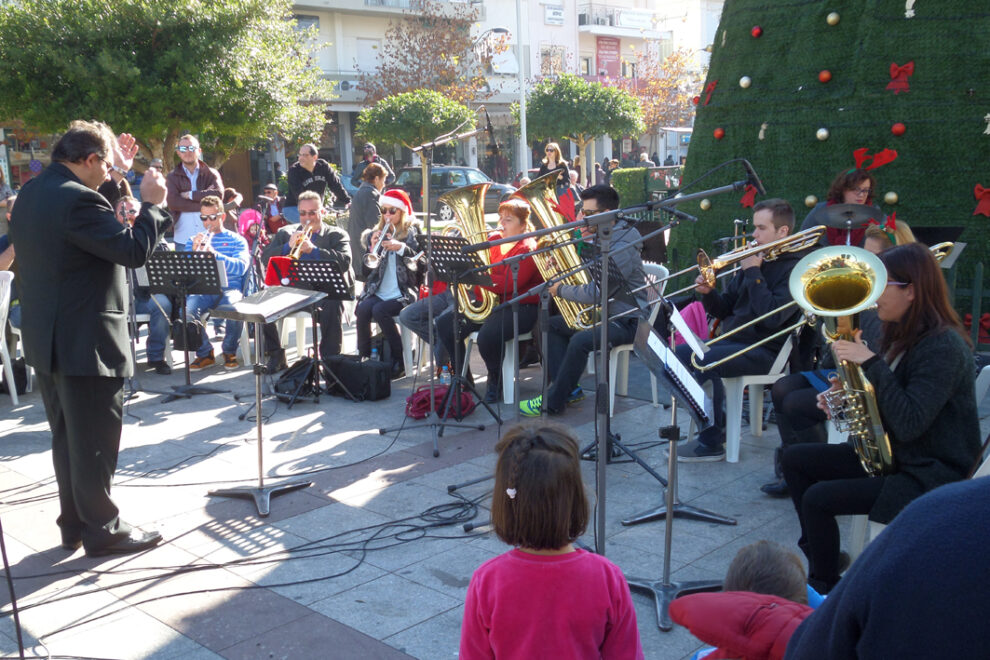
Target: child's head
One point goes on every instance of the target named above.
(539, 499)
(766, 567)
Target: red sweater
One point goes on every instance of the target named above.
(529, 276)
(521, 605)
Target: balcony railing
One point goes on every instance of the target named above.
(625, 17)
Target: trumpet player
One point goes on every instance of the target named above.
(312, 239)
(392, 275)
(756, 289)
(231, 251)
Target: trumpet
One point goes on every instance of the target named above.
(204, 243)
(709, 267)
(297, 250)
(374, 256)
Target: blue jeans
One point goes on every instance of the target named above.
(415, 317)
(158, 325)
(197, 304)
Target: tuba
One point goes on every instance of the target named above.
(468, 205)
(836, 283)
(542, 203)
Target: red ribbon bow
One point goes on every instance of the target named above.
(982, 196)
(708, 91)
(889, 225)
(749, 197)
(899, 77)
(566, 206)
(879, 159)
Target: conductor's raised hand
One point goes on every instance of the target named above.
(124, 151)
(153, 187)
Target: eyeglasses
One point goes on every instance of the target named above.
(900, 284)
(585, 210)
(107, 163)
(863, 191)
(306, 153)
(212, 216)
(390, 210)
(183, 149)
(551, 151)
(308, 214)
(128, 212)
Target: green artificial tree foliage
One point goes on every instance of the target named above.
(567, 107)
(412, 118)
(944, 107)
(234, 72)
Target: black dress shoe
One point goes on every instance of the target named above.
(398, 370)
(70, 542)
(135, 542)
(161, 367)
(492, 391)
(776, 488)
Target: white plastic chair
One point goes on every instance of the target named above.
(300, 318)
(508, 364)
(6, 278)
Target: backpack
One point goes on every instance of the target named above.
(296, 380)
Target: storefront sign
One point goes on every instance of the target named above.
(608, 54)
(553, 14)
(640, 20)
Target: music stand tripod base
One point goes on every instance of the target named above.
(260, 494)
(664, 594)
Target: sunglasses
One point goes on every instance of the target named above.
(212, 216)
(390, 210)
(308, 214)
(184, 149)
(129, 212)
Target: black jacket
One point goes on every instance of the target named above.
(332, 244)
(321, 178)
(71, 252)
(408, 270)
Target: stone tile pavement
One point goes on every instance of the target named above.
(369, 562)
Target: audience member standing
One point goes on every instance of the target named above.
(188, 184)
(313, 173)
(371, 156)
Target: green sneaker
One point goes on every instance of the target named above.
(531, 407)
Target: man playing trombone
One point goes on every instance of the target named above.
(568, 349)
(756, 289)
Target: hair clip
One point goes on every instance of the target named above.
(511, 492)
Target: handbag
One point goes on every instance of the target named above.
(418, 403)
(187, 336)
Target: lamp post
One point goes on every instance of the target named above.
(524, 154)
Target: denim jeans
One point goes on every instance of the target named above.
(197, 304)
(158, 325)
(415, 317)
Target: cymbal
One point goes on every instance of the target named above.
(840, 216)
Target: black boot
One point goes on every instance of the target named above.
(493, 389)
(778, 487)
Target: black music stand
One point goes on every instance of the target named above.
(455, 267)
(260, 308)
(180, 274)
(660, 359)
(325, 276)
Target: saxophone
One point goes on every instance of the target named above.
(837, 283)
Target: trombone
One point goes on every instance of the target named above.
(709, 267)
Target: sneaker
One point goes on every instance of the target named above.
(229, 361)
(161, 367)
(202, 362)
(531, 407)
(577, 394)
(695, 452)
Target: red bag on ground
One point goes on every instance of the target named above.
(418, 403)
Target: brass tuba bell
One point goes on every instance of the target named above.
(542, 200)
(468, 205)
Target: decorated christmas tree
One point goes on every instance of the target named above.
(807, 90)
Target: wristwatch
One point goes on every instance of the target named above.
(119, 170)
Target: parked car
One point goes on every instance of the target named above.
(443, 179)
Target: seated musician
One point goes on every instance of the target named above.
(923, 376)
(855, 186)
(231, 251)
(158, 307)
(394, 282)
(795, 396)
(567, 349)
(513, 219)
(757, 288)
(325, 243)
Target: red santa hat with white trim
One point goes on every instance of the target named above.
(398, 198)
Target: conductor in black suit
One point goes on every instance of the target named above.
(72, 253)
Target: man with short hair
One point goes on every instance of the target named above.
(158, 307)
(325, 243)
(188, 184)
(370, 155)
(71, 256)
(567, 349)
(757, 289)
(232, 253)
(312, 173)
(270, 205)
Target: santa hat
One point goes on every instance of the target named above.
(398, 198)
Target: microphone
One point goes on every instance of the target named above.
(677, 213)
(491, 133)
(752, 178)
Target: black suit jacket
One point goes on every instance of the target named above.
(332, 243)
(72, 252)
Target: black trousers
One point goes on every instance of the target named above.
(328, 314)
(84, 413)
(826, 481)
(492, 335)
(795, 403)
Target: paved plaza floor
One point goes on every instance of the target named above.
(371, 561)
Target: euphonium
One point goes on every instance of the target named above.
(297, 250)
(836, 283)
(468, 205)
(542, 203)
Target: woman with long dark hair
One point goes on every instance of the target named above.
(923, 375)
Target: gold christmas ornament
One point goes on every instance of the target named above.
(890, 198)
(810, 201)
(832, 18)
(745, 82)
(822, 134)
(705, 204)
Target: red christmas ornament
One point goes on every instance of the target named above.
(757, 32)
(982, 196)
(824, 75)
(898, 129)
(696, 100)
(719, 133)
(749, 198)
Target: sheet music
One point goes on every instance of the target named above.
(678, 371)
(692, 339)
